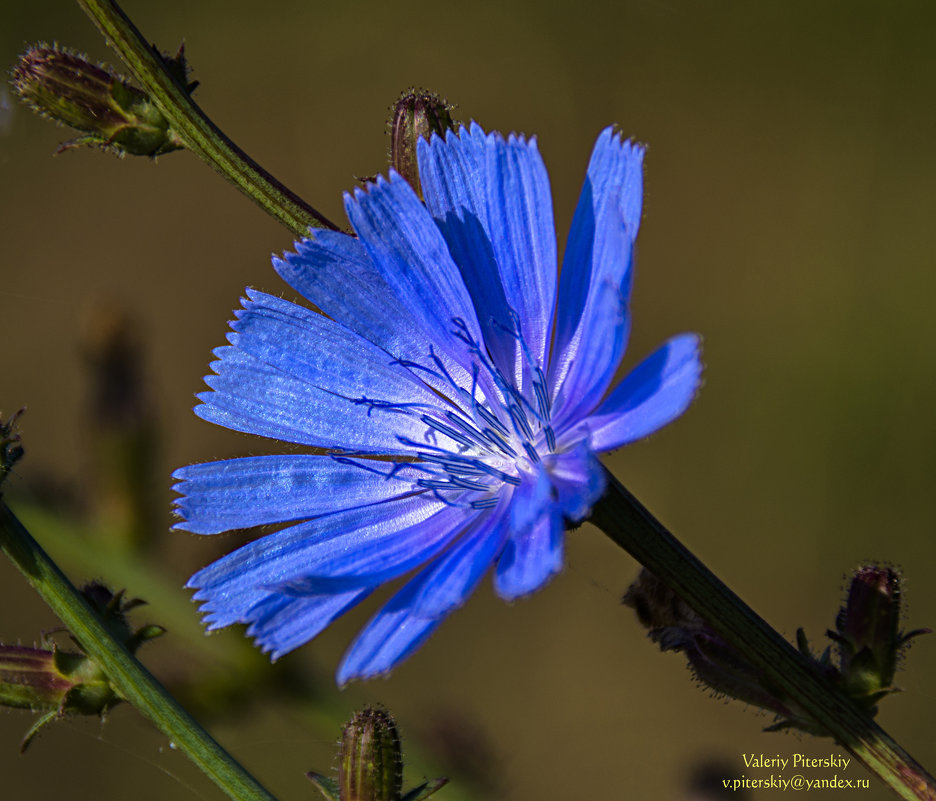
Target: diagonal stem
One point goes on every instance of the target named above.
(130, 679)
(629, 524)
(200, 134)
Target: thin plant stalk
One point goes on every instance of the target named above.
(200, 134)
(130, 679)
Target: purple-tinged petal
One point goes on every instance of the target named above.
(452, 175)
(260, 490)
(334, 272)
(592, 321)
(531, 498)
(407, 620)
(656, 392)
(533, 551)
(520, 199)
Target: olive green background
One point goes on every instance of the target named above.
(788, 217)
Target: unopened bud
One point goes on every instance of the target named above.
(52, 681)
(61, 683)
(113, 114)
(371, 758)
(370, 761)
(416, 115)
(867, 633)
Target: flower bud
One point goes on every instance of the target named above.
(52, 681)
(867, 634)
(417, 114)
(60, 683)
(33, 678)
(370, 758)
(370, 765)
(114, 115)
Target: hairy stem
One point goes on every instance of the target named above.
(199, 133)
(629, 524)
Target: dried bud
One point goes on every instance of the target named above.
(114, 115)
(371, 763)
(867, 634)
(60, 682)
(675, 626)
(417, 114)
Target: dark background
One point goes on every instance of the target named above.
(790, 196)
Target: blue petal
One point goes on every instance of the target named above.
(413, 613)
(323, 353)
(656, 392)
(491, 199)
(592, 321)
(455, 575)
(257, 398)
(230, 584)
(280, 623)
(520, 201)
(533, 551)
(409, 252)
(335, 273)
(578, 480)
(259, 490)
(372, 556)
(390, 636)
(531, 556)
(336, 553)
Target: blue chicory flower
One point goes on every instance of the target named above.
(439, 355)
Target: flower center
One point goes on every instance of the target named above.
(486, 436)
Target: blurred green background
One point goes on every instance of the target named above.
(790, 197)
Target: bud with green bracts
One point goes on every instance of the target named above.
(113, 114)
(58, 682)
(867, 634)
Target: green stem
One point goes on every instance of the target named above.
(200, 134)
(628, 523)
(131, 680)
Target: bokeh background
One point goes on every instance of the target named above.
(790, 198)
